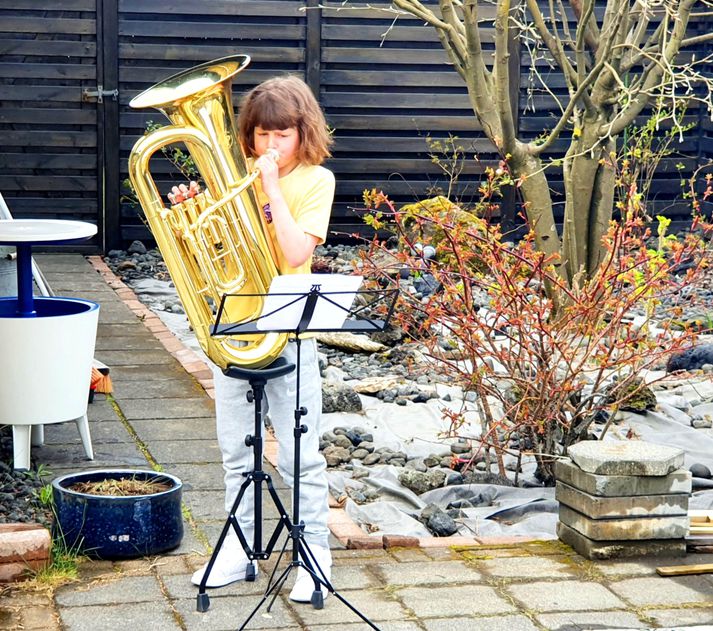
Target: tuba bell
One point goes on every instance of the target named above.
(215, 243)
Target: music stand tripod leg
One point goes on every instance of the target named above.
(257, 380)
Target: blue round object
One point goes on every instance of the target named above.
(118, 527)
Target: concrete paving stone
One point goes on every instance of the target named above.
(51, 263)
(430, 572)
(564, 596)
(586, 620)
(165, 389)
(229, 612)
(611, 507)
(123, 316)
(105, 297)
(642, 567)
(360, 557)
(190, 543)
(347, 577)
(136, 358)
(209, 505)
(179, 587)
(363, 626)
(682, 617)
(376, 605)
(127, 342)
(137, 371)
(36, 618)
(175, 429)
(157, 617)
(176, 407)
(101, 410)
(185, 451)
(501, 623)
(672, 590)
(198, 477)
(408, 555)
(524, 568)
(101, 432)
(70, 281)
(628, 529)
(212, 528)
(130, 589)
(598, 550)
(678, 481)
(454, 600)
(119, 455)
(136, 330)
(631, 457)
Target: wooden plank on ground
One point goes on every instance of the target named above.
(685, 570)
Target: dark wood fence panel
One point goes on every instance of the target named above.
(48, 166)
(400, 114)
(160, 38)
(395, 103)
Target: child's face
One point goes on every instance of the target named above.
(285, 141)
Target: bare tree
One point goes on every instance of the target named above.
(615, 63)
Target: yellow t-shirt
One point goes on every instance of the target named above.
(309, 192)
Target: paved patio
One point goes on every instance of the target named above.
(161, 414)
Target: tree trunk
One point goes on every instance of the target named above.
(535, 192)
(589, 195)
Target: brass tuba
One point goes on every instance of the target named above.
(211, 248)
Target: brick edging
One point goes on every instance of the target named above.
(341, 525)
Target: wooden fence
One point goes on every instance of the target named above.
(69, 69)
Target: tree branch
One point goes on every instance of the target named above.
(669, 50)
(502, 75)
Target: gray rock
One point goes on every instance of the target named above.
(371, 459)
(137, 248)
(336, 455)
(692, 358)
(339, 397)
(440, 523)
(420, 482)
(699, 470)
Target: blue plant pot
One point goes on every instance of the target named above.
(113, 527)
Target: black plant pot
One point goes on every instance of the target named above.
(118, 527)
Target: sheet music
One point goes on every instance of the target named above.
(286, 301)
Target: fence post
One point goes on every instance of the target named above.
(313, 47)
(109, 185)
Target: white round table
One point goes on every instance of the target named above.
(48, 344)
(23, 234)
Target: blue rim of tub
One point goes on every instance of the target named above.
(48, 307)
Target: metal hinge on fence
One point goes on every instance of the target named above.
(99, 94)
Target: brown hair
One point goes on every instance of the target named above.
(280, 103)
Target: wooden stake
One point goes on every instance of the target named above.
(683, 570)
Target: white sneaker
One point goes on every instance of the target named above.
(231, 565)
(304, 584)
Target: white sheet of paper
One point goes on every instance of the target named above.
(326, 315)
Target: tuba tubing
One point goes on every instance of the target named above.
(211, 248)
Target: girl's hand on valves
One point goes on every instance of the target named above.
(182, 192)
(269, 169)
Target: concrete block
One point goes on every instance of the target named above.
(612, 507)
(601, 550)
(627, 529)
(23, 548)
(678, 481)
(631, 457)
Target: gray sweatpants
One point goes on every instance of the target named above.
(236, 418)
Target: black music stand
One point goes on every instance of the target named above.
(305, 304)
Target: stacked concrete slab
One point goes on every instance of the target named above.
(623, 499)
